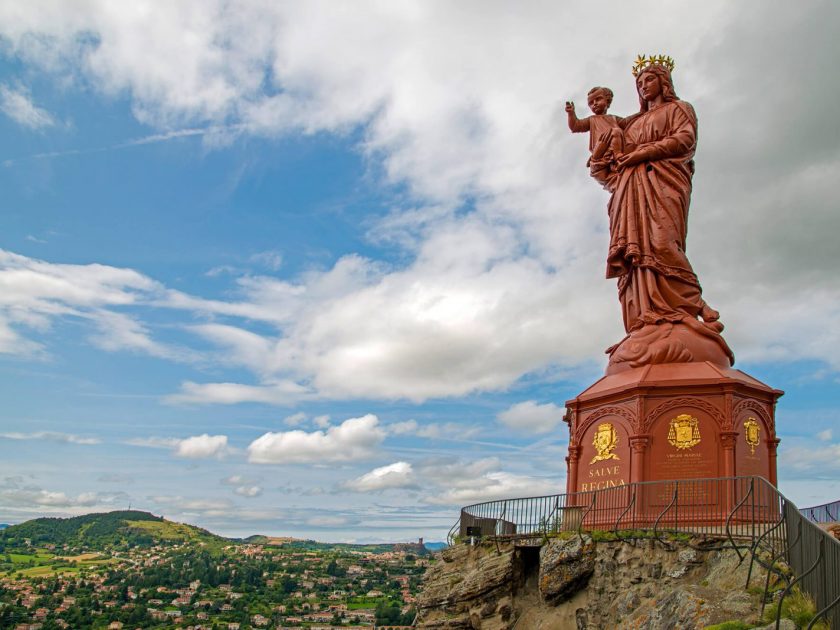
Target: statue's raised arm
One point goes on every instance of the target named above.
(648, 166)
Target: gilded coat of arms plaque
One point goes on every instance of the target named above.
(605, 441)
(752, 433)
(684, 432)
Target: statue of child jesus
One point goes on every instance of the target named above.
(606, 139)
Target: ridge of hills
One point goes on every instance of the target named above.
(106, 530)
(134, 528)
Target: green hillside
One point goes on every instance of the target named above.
(111, 530)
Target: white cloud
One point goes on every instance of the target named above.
(115, 478)
(119, 332)
(202, 446)
(492, 486)
(408, 427)
(450, 430)
(826, 435)
(17, 104)
(236, 480)
(322, 422)
(33, 293)
(283, 393)
(154, 442)
(460, 483)
(248, 491)
(195, 447)
(352, 440)
(396, 475)
(270, 259)
(811, 460)
(243, 486)
(52, 436)
(295, 419)
(205, 504)
(433, 430)
(531, 417)
(14, 493)
(327, 521)
(201, 505)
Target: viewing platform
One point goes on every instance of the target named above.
(747, 514)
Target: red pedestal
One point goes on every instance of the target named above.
(671, 421)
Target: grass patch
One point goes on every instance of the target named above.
(44, 571)
(25, 558)
(179, 532)
(798, 607)
(82, 557)
(27, 563)
(44, 563)
(360, 603)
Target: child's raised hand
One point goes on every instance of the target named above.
(570, 107)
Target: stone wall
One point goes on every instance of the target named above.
(581, 584)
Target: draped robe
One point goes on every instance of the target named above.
(648, 214)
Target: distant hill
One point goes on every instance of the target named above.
(259, 539)
(127, 528)
(313, 545)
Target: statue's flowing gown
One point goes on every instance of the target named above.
(648, 220)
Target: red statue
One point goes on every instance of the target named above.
(646, 161)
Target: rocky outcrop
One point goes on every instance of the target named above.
(565, 567)
(471, 587)
(580, 584)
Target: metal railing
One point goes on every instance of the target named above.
(746, 513)
(825, 513)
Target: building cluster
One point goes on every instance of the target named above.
(268, 587)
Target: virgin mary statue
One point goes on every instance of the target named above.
(665, 316)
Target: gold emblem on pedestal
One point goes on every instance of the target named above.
(606, 439)
(684, 432)
(752, 433)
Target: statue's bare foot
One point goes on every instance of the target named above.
(708, 314)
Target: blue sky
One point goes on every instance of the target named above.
(314, 271)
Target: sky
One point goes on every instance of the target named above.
(331, 270)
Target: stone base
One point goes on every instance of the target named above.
(671, 421)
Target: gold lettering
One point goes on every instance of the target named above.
(602, 485)
(608, 471)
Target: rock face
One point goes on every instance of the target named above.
(580, 584)
(565, 567)
(472, 587)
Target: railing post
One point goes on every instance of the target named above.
(798, 578)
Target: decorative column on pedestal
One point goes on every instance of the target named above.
(727, 442)
(638, 447)
(572, 465)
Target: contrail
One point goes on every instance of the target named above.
(151, 139)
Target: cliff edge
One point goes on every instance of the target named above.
(580, 584)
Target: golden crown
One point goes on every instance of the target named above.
(642, 63)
